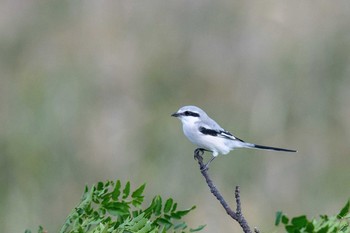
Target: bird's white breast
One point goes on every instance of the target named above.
(217, 145)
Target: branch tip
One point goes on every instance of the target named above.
(237, 216)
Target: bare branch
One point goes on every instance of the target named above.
(237, 216)
(238, 201)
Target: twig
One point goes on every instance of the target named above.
(237, 216)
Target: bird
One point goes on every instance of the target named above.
(208, 135)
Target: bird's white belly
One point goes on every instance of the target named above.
(215, 144)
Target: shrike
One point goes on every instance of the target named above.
(208, 135)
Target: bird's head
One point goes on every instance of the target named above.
(189, 114)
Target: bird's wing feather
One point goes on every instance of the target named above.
(218, 133)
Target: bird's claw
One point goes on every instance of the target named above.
(199, 151)
(198, 156)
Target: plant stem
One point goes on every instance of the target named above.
(237, 216)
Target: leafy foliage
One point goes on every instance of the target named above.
(334, 224)
(109, 208)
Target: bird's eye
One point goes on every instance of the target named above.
(189, 113)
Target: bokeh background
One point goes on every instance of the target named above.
(87, 89)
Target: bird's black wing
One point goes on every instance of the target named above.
(218, 133)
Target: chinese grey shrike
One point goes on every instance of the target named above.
(208, 135)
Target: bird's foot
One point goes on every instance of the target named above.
(206, 166)
(198, 156)
(199, 151)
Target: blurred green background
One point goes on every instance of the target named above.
(87, 89)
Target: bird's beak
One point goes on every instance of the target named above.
(175, 114)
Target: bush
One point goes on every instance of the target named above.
(325, 224)
(106, 208)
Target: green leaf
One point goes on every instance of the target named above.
(151, 208)
(310, 227)
(41, 229)
(300, 221)
(285, 219)
(167, 216)
(104, 228)
(181, 225)
(198, 228)
(118, 208)
(179, 214)
(168, 204)
(158, 206)
(165, 222)
(86, 192)
(146, 228)
(344, 211)
(135, 213)
(291, 229)
(138, 192)
(106, 198)
(140, 223)
(99, 185)
(155, 230)
(174, 207)
(116, 191)
(278, 217)
(344, 227)
(163, 230)
(323, 230)
(126, 190)
(137, 202)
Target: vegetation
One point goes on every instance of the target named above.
(325, 224)
(109, 208)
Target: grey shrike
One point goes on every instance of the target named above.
(208, 135)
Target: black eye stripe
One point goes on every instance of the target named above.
(189, 113)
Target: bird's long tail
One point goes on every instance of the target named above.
(260, 147)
